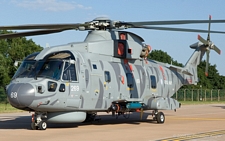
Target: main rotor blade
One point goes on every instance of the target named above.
(173, 22)
(41, 26)
(177, 29)
(31, 33)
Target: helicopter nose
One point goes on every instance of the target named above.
(20, 95)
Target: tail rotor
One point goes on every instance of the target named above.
(208, 46)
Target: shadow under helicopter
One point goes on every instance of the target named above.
(24, 122)
(222, 107)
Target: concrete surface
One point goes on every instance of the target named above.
(188, 120)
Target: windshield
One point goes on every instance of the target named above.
(30, 68)
(51, 69)
(24, 69)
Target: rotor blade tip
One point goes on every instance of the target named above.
(199, 36)
(206, 74)
(210, 16)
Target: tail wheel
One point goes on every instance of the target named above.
(160, 117)
(42, 125)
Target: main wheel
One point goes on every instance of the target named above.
(33, 127)
(160, 117)
(42, 125)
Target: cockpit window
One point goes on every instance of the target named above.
(24, 69)
(27, 66)
(69, 72)
(51, 69)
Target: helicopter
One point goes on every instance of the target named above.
(107, 72)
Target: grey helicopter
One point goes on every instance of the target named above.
(107, 72)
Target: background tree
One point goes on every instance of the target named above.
(213, 81)
(12, 50)
(162, 56)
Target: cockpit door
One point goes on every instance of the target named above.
(69, 76)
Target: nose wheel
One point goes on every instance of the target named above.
(37, 121)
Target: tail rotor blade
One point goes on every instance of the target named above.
(208, 38)
(202, 40)
(214, 47)
(207, 63)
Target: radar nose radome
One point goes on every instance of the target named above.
(20, 95)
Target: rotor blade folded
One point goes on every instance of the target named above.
(177, 29)
(40, 26)
(31, 33)
(172, 22)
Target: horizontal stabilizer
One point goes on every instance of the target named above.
(196, 45)
(180, 70)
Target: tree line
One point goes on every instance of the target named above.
(11, 50)
(213, 81)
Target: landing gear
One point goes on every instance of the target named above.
(38, 122)
(42, 125)
(90, 117)
(33, 126)
(158, 116)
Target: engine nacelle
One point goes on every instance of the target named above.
(66, 117)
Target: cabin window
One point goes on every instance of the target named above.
(120, 49)
(94, 66)
(107, 76)
(69, 72)
(153, 81)
(130, 80)
(123, 36)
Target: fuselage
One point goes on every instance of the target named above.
(88, 76)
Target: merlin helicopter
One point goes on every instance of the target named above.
(107, 72)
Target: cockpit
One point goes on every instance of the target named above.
(56, 66)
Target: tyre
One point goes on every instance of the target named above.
(33, 127)
(42, 125)
(160, 117)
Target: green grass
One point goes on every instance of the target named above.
(7, 108)
(201, 102)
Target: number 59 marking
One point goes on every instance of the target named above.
(13, 95)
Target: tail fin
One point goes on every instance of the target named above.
(194, 60)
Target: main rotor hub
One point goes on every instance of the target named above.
(100, 23)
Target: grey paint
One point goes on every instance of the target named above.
(91, 92)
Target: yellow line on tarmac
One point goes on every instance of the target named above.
(195, 136)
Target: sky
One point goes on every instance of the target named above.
(176, 44)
